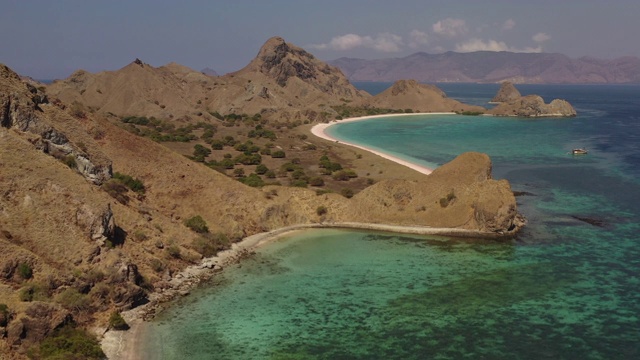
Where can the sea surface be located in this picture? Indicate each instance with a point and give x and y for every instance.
(567, 287)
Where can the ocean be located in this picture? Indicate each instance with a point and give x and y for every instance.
(567, 287)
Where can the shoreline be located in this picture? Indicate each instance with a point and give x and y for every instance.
(319, 130)
(124, 345)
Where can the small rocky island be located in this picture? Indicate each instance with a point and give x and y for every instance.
(512, 103)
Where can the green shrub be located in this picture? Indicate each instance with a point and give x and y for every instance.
(278, 154)
(25, 271)
(197, 224)
(253, 180)
(68, 343)
(116, 322)
(261, 169)
(200, 153)
(133, 184)
(210, 245)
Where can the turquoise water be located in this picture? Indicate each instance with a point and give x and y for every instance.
(568, 287)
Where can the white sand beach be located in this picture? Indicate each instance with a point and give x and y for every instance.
(319, 131)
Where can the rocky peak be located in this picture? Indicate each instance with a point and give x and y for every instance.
(281, 61)
(506, 93)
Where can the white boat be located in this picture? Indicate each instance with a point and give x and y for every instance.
(579, 152)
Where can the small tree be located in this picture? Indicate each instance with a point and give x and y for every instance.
(197, 224)
(117, 322)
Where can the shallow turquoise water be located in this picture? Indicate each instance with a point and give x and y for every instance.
(568, 287)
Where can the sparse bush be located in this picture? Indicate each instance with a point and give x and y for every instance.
(116, 190)
(4, 315)
(200, 153)
(348, 193)
(174, 251)
(321, 210)
(32, 292)
(445, 201)
(72, 299)
(140, 235)
(197, 224)
(70, 161)
(68, 343)
(157, 265)
(209, 245)
(25, 271)
(116, 322)
(135, 185)
(316, 181)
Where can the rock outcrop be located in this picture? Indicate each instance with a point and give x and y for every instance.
(409, 94)
(534, 106)
(506, 93)
(22, 107)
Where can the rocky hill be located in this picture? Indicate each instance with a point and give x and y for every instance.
(283, 81)
(511, 103)
(93, 217)
(409, 94)
(493, 67)
(507, 92)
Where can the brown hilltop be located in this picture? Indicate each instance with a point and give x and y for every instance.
(409, 94)
(171, 91)
(286, 80)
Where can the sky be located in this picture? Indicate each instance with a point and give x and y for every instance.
(49, 39)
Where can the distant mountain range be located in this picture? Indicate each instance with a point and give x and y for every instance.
(493, 67)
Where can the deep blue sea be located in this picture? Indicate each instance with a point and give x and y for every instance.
(567, 287)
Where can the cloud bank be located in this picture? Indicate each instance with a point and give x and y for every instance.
(448, 33)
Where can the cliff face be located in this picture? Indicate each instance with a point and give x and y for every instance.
(409, 94)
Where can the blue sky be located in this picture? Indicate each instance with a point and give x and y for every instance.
(50, 39)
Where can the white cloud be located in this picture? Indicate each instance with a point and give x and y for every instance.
(450, 27)
(385, 42)
(417, 38)
(509, 24)
(476, 44)
(540, 37)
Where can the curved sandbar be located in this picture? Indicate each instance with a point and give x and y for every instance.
(319, 131)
